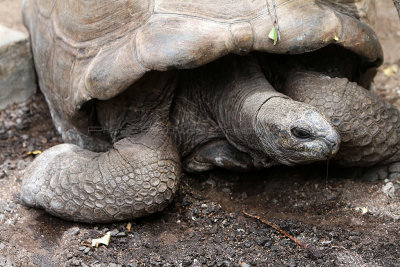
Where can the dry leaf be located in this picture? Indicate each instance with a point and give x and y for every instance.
(129, 226)
(105, 240)
(33, 153)
(390, 71)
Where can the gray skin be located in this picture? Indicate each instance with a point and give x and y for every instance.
(109, 64)
(216, 117)
(368, 125)
(238, 106)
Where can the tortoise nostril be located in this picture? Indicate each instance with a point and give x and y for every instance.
(333, 144)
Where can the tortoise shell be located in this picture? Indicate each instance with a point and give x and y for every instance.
(95, 49)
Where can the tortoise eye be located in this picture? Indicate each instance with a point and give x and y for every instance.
(301, 133)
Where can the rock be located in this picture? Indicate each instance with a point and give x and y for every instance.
(394, 167)
(114, 232)
(8, 165)
(22, 164)
(120, 234)
(196, 263)
(226, 190)
(389, 189)
(76, 232)
(3, 205)
(17, 76)
(392, 177)
(75, 262)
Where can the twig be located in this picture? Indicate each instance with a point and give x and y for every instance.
(301, 244)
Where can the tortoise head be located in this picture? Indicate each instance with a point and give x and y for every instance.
(296, 133)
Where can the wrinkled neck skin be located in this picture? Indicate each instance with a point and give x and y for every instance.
(243, 94)
(230, 93)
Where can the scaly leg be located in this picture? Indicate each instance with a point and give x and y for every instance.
(368, 125)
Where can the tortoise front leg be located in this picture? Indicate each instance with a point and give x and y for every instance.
(138, 176)
(368, 125)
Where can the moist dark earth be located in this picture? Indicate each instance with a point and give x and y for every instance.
(343, 219)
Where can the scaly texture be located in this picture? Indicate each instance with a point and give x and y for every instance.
(95, 49)
(368, 125)
(239, 105)
(133, 179)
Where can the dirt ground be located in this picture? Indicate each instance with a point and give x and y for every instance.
(342, 219)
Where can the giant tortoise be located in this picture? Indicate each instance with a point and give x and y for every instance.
(145, 88)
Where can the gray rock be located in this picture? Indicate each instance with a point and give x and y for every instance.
(389, 189)
(114, 232)
(22, 164)
(17, 76)
(3, 205)
(76, 232)
(120, 234)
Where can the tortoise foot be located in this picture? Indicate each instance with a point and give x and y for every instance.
(129, 181)
(390, 171)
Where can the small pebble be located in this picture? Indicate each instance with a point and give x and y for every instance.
(226, 190)
(120, 234)
(75, 262)
(22, 164)
(211, 182)
(114, 232)
(187, 262)
(76, 232)
(248, 244)
(389, 189)
(262, 241)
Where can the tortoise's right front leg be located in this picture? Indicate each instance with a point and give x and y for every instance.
(137, 177)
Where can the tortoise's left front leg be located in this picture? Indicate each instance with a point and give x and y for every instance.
(368, 125)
